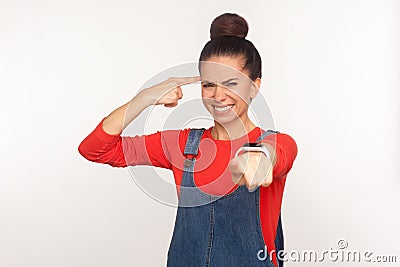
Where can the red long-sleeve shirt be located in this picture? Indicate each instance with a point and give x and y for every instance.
(165, 149)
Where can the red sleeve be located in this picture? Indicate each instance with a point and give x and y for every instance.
(286, 152)
(122, 151)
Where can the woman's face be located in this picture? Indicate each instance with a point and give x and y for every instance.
(226, 88)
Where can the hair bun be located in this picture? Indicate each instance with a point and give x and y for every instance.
(229, 24)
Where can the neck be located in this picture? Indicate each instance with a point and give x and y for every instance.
(232, 130)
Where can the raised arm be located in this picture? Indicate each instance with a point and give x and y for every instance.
(105, 145)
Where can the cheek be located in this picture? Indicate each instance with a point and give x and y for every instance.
(206, 95)
(241, 95)
(206, 92)
(205, 100)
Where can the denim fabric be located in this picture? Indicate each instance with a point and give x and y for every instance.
(216, 231)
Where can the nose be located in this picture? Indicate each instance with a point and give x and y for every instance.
(219, 93)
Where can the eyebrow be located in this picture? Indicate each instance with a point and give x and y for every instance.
(231, 79)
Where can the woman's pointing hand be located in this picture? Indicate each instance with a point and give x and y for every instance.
(251, 169)
(168, 92)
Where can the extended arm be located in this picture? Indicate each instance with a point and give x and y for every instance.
(254, 168)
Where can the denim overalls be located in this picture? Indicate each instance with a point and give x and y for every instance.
(217, 231)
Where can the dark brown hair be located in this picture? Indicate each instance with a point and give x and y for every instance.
(228, 38)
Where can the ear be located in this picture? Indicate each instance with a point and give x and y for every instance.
(255, 87)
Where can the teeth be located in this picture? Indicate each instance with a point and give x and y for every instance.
(222, 109)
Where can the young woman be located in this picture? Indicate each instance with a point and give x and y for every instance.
(229, 205)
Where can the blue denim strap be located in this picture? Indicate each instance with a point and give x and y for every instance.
(193, 141)
(264, 134)
(190, 195)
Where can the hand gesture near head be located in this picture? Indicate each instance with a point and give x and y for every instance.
(168, 92)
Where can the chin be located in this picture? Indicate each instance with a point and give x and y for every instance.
(224, 121)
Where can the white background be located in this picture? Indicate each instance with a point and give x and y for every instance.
(331, 77)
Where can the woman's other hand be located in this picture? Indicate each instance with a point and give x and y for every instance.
(168, 92)
(251, 169)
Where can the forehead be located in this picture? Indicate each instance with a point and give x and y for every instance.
(219, 69)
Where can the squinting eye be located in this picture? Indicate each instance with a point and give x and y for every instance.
(232, 84)
(208, 85)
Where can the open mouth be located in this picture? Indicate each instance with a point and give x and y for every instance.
(223, 108)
